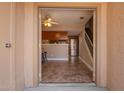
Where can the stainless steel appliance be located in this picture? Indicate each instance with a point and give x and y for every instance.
(73, 47)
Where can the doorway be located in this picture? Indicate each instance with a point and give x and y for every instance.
(73, 49)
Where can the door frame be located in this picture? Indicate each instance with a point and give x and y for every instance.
(12, 49)
(94, 40)
(101, 53)
(72, 37)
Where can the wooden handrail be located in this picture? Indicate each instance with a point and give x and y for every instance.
(90, 45)
(89, 39)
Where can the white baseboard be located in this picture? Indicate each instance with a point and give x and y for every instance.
(57, 59)
(91, 68)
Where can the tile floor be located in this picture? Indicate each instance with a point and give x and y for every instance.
(72, 71)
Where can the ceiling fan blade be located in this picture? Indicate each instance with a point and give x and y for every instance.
(48, 22)
(52, 22)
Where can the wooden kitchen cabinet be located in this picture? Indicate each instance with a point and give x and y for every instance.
(54, 35)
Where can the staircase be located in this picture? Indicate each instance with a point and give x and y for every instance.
(89, 44)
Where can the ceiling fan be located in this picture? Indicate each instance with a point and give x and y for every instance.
(48, 22)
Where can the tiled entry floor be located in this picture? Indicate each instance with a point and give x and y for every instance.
(73, 71)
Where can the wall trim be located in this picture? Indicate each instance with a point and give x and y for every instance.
(28, 45)
(82, 60)
(12, 50)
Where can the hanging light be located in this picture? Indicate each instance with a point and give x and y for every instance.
(48, 22)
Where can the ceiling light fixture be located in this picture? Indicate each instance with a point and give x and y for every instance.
(48, 22)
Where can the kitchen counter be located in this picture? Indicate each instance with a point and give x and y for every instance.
(56, 51)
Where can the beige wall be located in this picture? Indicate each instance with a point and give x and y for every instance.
(19, 48)
(115, 46)
(31, 45)
(83, 50)
(5, 9)
(28, 45)
(12, 28)
(56, 51)
(101, 45)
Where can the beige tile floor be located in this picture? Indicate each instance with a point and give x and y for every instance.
(72, 71)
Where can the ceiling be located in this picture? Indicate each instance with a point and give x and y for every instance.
(68, 19)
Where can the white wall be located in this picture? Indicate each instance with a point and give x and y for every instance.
(56, 51)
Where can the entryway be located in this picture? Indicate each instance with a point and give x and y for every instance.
(31, 45)
(63, 47)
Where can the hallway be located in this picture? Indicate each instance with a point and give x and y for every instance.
(72, 71)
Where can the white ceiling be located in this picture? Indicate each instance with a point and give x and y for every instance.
(68, 19)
